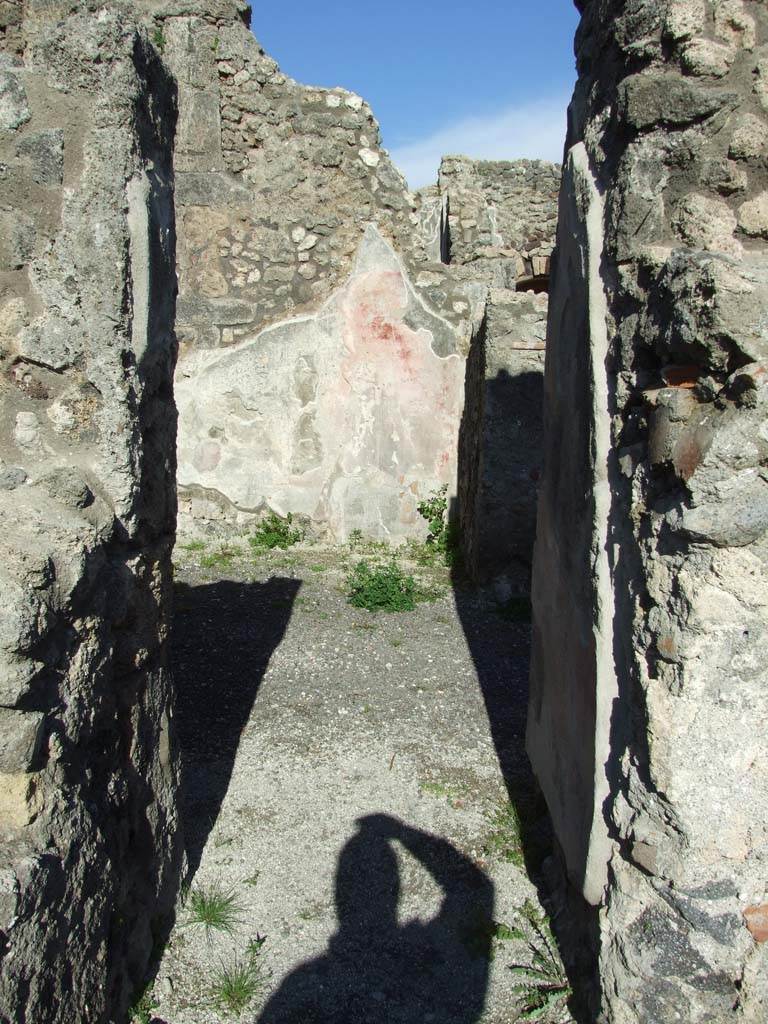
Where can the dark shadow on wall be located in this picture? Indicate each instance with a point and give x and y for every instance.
(499, 461)
(379, 971)
(223, 638)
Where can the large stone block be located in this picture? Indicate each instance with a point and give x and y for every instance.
(21, 733)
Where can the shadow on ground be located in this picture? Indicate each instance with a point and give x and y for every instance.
(378, 971)
(501, 657)
(223, 638)
(498, 638)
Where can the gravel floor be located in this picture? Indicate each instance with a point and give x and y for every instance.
(342, 777)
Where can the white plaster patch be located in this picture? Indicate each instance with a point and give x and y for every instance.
(369, 157)
(347, 416)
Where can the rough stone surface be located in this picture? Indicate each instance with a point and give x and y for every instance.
(500, 216)
(494, 223)
(501, 443)
(648, 675)
(89, 850)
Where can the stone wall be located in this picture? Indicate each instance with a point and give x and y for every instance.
(307, 313)
(648, 679)
(500, 453)
(494, 223)
(500, 216)
(89, 846)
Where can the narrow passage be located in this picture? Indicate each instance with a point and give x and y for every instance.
(341, 781)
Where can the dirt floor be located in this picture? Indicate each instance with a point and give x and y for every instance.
(355, 792)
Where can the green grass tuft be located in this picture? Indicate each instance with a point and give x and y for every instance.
(215, 908)
(236, 985)
(141, 1011)
(193, 545)
(505, 838)
(221, 558)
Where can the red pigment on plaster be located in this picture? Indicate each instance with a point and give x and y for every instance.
(410, 395)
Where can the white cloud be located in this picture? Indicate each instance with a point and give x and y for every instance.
(534, 130)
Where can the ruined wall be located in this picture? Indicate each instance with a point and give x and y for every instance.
(500, 216)
(89, 846)
(648, 684)
(494, 222)
(501, 444)
(307, 346)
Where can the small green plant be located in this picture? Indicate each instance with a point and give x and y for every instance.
(141, 1011)
(275, 532)
(381, 588)
(215, 908)
(442, 790)
(443, 537)
(318, 568)
(433, 509)
(158, 38)
(253, 879)
(355, 538)
(236, 985)
(254, 947)
(543, 989)
(505, 839)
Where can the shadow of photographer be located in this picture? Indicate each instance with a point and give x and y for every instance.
(378, 970)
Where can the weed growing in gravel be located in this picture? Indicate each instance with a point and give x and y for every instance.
(543, 990)
(215, 908)
(444, 791)
(141, 1011)
(221, 558)
(193, 545)
(381, 588)
(505, 839)
(237, 984)
(275, 532)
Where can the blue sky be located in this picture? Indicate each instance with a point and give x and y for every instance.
(489, 78)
